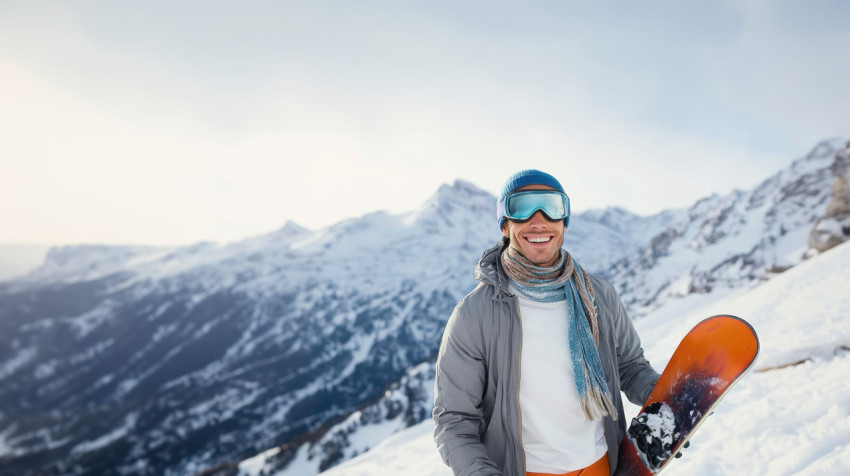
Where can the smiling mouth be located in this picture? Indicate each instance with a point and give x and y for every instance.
(538, 239)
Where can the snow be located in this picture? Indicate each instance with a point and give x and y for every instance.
(87, 322)
(801, 312)
(46, 370)
(109, 438)
(358, 432)
(10, 446)
(662, 424)
(830, 226)
(127, 386)
(364, 439)
(253, 466)
(88, 262)
(21, 358)
(5, 448)
(223, 406)
(409, 452)
(781, 419)
(654, 425)
(301, 464)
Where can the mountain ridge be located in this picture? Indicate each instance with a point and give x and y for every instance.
(728, 240)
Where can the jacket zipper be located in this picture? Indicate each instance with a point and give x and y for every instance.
(518, 382)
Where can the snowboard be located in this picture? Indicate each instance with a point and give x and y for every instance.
(711, 358)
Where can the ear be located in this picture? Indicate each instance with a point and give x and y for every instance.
(505, 230)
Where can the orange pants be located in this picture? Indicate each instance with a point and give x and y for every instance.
(599, 468)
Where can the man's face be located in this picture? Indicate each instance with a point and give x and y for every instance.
(538, 239)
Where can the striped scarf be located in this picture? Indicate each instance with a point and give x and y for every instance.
(558, 283)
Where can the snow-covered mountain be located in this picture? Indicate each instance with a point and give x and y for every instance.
(142, 360)
(732, 240)
(790, 415)
(599, 238)
(147, 360)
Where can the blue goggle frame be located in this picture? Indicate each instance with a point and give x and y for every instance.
(520, 206)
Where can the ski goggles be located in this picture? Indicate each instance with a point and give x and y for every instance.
(520, 206)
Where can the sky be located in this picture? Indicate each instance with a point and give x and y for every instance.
(167, 123)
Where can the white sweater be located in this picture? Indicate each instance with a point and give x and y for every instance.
(556, 436)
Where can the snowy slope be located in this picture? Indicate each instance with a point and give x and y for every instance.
(791, 415)
(403, 405)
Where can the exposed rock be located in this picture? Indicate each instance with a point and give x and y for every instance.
(834, 227)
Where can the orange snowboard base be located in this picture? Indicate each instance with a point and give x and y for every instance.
(711, 358)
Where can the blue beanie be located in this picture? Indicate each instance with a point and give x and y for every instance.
(522, 179)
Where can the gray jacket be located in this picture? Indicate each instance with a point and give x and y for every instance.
(476, 403)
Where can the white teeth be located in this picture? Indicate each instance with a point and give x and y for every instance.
(542, 239)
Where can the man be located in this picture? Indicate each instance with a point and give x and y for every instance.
(533, 360)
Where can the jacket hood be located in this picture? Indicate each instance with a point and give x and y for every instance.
(489, 269)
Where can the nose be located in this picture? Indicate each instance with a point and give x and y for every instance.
(538, 220)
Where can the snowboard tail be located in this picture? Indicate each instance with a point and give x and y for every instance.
(711, 359)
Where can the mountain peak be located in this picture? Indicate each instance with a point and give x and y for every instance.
(611, 214)
(290, 228)
(826, 149)
(460, 188)
(462, 191)
(87, 262)
(452, 204)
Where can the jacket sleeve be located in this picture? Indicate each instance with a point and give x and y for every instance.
(637, 377)
(458, 393)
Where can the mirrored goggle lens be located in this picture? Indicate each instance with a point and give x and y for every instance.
(521, 205)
